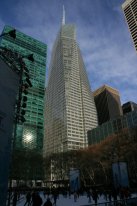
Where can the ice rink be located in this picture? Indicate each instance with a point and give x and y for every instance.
(66, 201)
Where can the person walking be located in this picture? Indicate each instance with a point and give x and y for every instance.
(28, 199)
(15, 198)
(95, 196)
(48, 202)
(37, 200)
(89, 196)
(55, 196)
(44, 193)
(33, 197)
(75, 196)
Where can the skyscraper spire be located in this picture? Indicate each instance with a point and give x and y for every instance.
(63, 17)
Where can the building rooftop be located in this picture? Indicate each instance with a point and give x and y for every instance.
(126, 3)
(103, 88)
(129, 102)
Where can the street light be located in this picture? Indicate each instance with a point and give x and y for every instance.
(23, 86)
(30, 57)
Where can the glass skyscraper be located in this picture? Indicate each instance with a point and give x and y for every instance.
(112, 127)
(30, 134)
(130, 11)
(70, 108)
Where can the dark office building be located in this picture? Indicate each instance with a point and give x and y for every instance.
(107, 100)
(129, 107)
(9, 81)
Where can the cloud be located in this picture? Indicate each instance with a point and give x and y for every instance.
(32, 19)
(1, 24)
(102, 34)
(109, 54)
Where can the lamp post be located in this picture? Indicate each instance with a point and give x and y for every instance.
(11, 33)
(23, 86)
(29, 57)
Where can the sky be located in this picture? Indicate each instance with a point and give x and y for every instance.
(102, 34)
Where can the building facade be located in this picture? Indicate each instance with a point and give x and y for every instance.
(70, 107)
(9, 82)
(129, 107)
(107, 100)
(30, 134)
(129, 8)
(111, 127)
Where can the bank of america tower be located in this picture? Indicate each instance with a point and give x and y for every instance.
(70, 108)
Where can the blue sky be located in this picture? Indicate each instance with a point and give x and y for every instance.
(102, 34)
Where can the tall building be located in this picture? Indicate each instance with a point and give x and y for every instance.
(130, 11)
(129, 107)
(9, 82)
(30, 134)
(111, 127)
(70, 108)
(108, 103)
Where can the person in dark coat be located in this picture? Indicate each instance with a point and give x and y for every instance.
(55, 196)
(75, 196)
(28, 199)
(95, 196)
(48, 202)
(37, 200)
(15, 198)
(89, 196)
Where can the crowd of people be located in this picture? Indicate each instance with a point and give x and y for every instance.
(114, 195)
(33, 198)
(50, 197)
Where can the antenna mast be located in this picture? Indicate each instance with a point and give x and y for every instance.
(63, 17)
